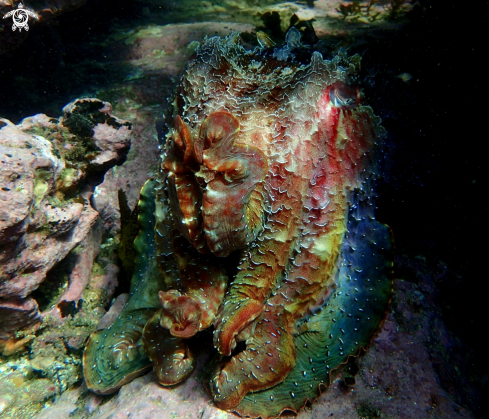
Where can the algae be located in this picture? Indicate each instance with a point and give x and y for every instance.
(366, 411)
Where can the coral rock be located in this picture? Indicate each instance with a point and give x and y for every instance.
(45, 164)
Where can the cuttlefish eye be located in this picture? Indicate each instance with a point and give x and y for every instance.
(344, 96)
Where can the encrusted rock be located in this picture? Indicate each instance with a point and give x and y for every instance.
(45, 190)
(17, 313)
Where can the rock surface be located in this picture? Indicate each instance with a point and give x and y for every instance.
(45, 209)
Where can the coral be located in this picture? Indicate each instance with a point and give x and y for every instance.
(375, 9)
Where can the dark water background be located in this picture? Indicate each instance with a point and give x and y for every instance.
(434, 198)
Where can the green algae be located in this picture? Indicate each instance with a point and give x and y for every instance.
(49, 361)
(41, 184)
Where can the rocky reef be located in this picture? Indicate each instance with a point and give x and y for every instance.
(48, 171)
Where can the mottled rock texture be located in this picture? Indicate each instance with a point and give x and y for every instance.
(46, 167)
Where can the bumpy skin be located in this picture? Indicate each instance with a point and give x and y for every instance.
(268, 152)
(271, 158)
(115, 356)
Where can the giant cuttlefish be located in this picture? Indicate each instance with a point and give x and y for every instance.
(272, 157)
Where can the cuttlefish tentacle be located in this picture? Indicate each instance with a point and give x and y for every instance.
(260, 267)
(194, 288)
(231, 175)
(192, 303)
(172, 360)
(268, 358)
(185, 194)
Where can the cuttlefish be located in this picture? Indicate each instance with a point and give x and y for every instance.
(271, 161)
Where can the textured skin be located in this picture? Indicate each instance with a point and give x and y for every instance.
(115, 356)
(271, 158)
(270, 153)
(344, 325)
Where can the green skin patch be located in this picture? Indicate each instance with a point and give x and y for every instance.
(115, 356)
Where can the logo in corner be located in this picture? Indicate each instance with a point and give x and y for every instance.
(20, 17)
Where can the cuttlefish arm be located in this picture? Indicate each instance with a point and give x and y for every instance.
(115, 356)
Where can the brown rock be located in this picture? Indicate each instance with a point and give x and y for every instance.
(17, 313)
(80, 273)
(45, 192)
(28, 269)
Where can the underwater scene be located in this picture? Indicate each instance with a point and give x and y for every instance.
(229, 208)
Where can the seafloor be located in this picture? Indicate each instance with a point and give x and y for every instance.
(421, 364)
